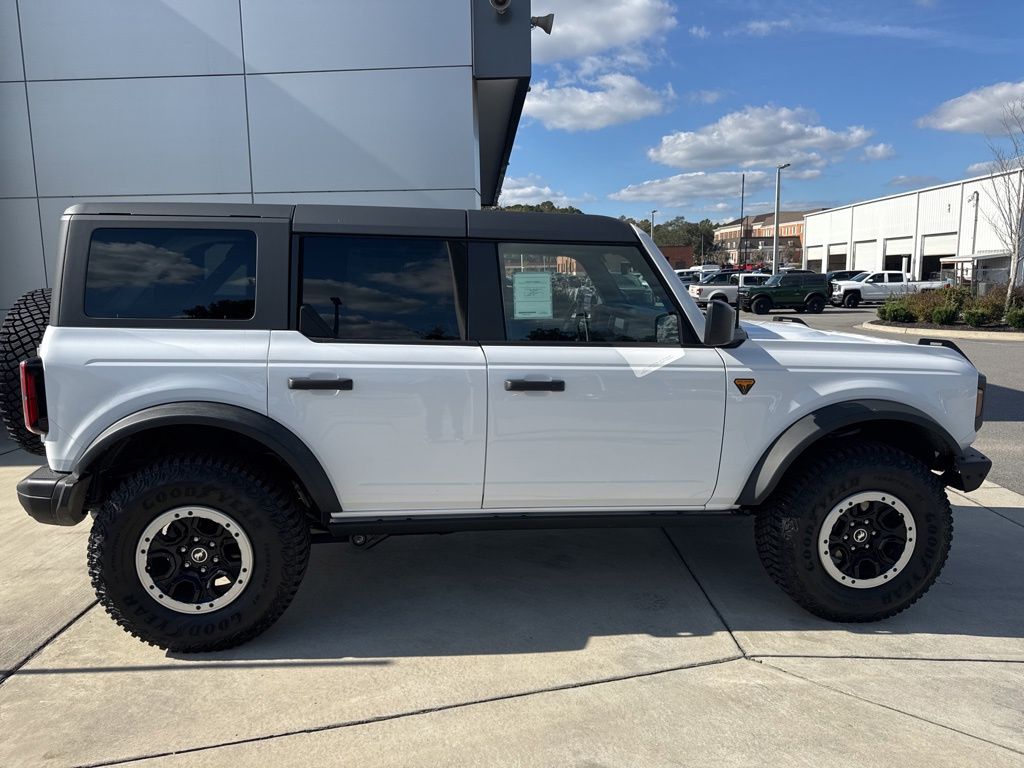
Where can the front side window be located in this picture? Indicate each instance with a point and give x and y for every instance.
(378, 289)
(584, 293)
(186, 274)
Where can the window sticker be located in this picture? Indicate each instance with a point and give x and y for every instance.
(532, 295)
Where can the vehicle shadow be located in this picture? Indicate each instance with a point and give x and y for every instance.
(1003, 403)
(550, 591)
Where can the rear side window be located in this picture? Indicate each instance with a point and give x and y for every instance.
(379, 289)
(186, 274)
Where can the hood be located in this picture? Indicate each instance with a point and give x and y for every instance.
(772, 330)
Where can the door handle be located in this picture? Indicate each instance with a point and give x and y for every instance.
(320, 384)
(529, 385)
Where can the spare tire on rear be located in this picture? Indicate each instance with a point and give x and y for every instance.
(20, 334)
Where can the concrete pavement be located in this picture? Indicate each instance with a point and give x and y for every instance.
(637, 647)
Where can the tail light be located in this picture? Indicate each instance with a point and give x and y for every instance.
(33, 396)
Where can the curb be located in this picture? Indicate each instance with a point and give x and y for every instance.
(870, 325)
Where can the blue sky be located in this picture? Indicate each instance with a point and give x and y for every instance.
(641, 104)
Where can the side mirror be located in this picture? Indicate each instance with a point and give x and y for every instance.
(719, 324)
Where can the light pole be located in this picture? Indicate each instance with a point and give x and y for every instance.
(775, 229)
(652, 223)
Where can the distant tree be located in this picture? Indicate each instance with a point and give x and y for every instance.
(1007, 175)
(546, 207)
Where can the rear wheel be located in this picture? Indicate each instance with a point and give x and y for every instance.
(20, 335)
(851, 300)
(197, 553)
(762, 305)
(815, 305)
(858, 534)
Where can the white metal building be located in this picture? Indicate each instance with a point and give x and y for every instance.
(952, 227)
(401, 102)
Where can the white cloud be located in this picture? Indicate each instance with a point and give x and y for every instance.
(585, 27)
(701, 32)
(613, 99)
(705, 97)
(687, 187)
(763, 28)
(530, 189)
(881, 151)
(759, 137)
(977, 111)
(913, 182)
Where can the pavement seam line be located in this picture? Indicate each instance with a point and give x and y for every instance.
(415, 712)
(718, 613)
(759, 656)
(888, 707)
(7, 674)
(995, 512)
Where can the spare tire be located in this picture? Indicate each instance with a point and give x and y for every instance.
(20, 335)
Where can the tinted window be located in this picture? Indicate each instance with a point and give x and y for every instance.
(895, 277)
(191, 274)
(584, 293)
(375, 288)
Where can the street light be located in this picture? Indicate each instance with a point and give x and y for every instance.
(775, 229)
(652, 223)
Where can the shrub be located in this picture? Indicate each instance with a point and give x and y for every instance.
(896, 311)
(1015, 317)
(924, 303)
(976, 316)
(992, 304)
(945, 314)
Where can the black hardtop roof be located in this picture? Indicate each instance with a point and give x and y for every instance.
(380, 220)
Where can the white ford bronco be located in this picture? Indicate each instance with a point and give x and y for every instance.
(216, 383)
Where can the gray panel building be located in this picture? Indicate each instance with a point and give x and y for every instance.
(381, 103)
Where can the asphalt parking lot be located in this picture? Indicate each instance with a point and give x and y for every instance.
(584, 648)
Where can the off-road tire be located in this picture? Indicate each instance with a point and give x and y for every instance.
(762, 305)
(851, 300)
(815, 305)
(20, 335)
(787, 529)
(266, 511)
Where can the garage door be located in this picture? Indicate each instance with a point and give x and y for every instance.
(865, 255)
(836, 257)
(814, 265)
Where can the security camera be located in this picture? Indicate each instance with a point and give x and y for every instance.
(500, 5)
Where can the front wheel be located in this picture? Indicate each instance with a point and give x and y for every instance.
(857, 534)
(761, 305)
(851, 300)
(197, 553)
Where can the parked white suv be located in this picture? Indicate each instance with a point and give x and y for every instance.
(216, 382)
(875, 287)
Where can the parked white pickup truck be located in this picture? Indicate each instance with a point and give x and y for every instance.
(724, 286)
(876, 287)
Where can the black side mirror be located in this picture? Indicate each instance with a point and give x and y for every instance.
(719, 324)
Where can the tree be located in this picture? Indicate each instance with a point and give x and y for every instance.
(546, 207)
(1006, 183)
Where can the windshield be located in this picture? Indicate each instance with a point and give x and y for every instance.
(773, 280)
(859, 278)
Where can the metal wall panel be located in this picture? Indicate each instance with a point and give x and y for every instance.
(412, 198)
(129, 38)
(939, 210)
(123, 137)
(22, 265)
(899, 246)
(16, 175)
(10, 44)
(305, 35)
(939, 245)
(413, 129)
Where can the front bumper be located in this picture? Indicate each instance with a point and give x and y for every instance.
(53, 498)
(969, 471)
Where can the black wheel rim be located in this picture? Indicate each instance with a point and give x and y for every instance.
(867, 539)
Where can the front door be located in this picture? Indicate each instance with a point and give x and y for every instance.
(593, 400)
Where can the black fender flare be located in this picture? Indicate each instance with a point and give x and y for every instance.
(274, 436)
(812, 294)
(791, 444)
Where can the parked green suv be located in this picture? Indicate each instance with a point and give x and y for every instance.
(802, 291)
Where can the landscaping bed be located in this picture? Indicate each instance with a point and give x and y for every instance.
(952, 308)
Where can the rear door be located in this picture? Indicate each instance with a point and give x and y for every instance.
(378, 378)
(598, 398)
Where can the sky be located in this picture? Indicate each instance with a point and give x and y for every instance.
(653, 104)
